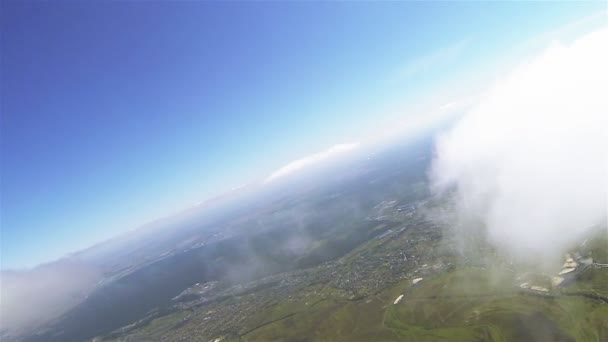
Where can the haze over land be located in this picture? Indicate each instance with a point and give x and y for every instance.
(34, 296)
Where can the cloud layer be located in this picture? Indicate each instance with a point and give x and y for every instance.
(530, 160)
(310, 160)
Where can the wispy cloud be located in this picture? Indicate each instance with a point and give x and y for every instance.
(427, 62)
(35, 296)
(299, 164)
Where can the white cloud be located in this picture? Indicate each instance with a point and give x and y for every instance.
(530, 159)
(311, 160)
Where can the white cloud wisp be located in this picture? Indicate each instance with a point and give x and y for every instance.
(302, 163)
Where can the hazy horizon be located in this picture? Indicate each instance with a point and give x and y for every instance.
(92, 145)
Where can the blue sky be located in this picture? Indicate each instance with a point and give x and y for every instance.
(115, 113)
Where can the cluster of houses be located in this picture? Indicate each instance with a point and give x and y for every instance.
(573, 265)
(569, 266)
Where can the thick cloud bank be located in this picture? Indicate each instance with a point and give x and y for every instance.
(530, 160)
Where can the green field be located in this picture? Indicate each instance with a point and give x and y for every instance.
(462, 305)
